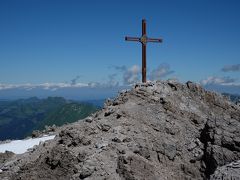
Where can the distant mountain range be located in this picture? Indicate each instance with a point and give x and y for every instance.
(80, 91)
(233, 97)
(76, 93)
(18, 118)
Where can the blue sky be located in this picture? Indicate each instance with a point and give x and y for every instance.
(55, 41)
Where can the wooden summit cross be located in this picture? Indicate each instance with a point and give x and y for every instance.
(144, 40)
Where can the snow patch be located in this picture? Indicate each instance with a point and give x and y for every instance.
(22, 146)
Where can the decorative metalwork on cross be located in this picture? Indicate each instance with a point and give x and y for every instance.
(144, 40)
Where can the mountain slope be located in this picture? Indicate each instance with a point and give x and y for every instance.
(162, 130)
(20, 117)
(69, 113)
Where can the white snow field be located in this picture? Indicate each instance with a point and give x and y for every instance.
(21, 146)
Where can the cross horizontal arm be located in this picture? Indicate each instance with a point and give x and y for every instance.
(132, 39)
(154, 40)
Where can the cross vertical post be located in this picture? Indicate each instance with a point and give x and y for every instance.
(144, 39)
(144, 52)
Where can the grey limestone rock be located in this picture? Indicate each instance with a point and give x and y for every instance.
(156, 130)
(226, 172)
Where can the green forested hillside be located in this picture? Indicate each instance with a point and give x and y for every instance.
(70, 112)
(20, 117)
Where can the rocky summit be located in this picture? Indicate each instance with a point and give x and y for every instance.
(155, 131)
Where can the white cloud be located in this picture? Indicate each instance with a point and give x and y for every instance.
(112, 82)
(225, 81)
(131, 75)
(74, 80)
(222, 84)
(233, 68)
(46, 86)
(160, 72)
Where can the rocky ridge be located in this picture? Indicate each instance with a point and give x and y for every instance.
(161, 130)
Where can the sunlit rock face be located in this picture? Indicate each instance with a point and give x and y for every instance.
(160, 130)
